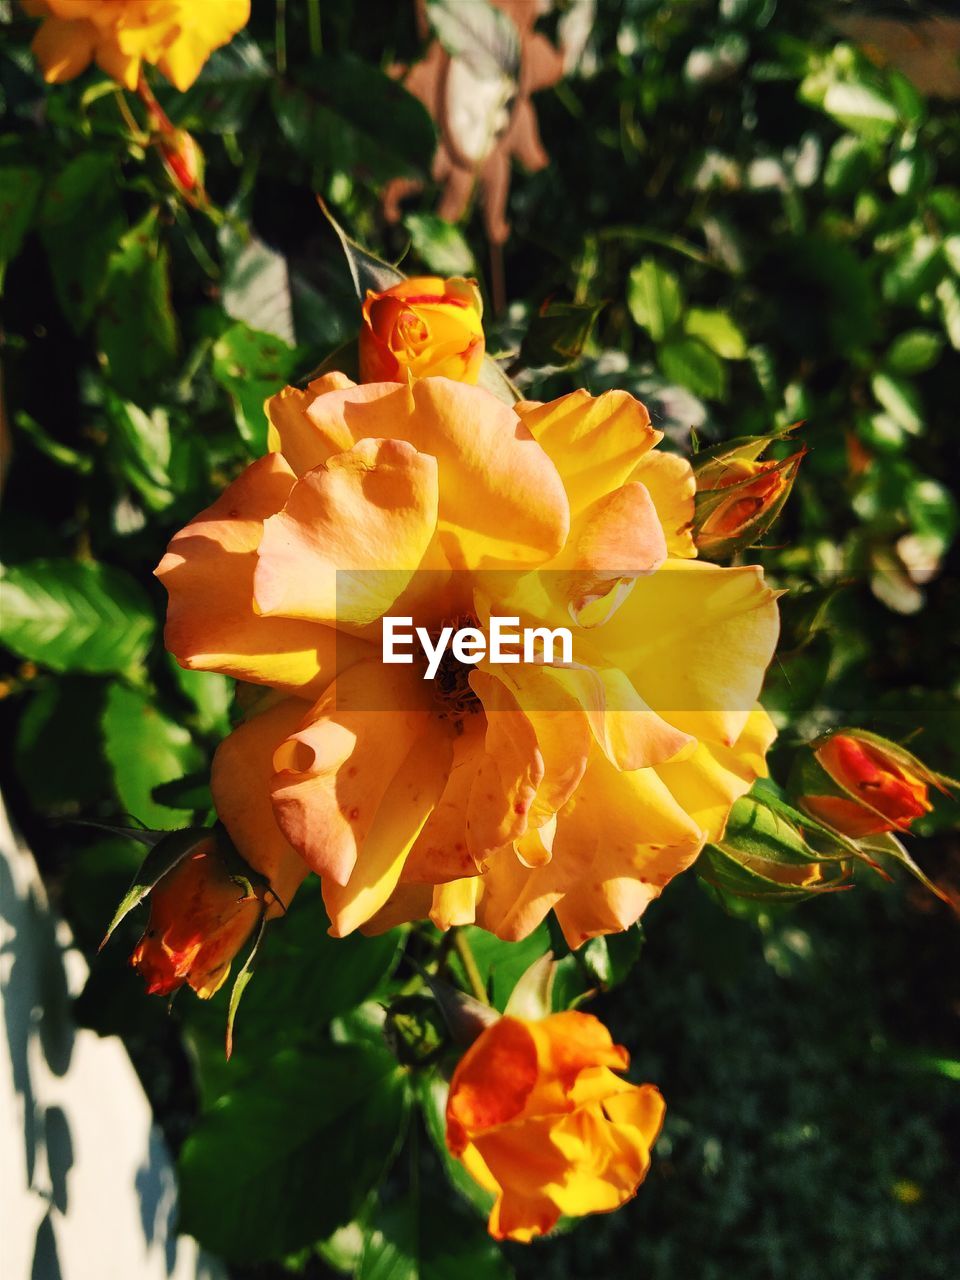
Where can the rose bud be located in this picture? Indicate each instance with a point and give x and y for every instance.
(868, 785)
(426, 327)
(200, 917)
(537, 1115)
(739, 495)
(183, 161)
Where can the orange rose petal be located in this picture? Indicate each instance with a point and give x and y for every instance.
(333, 773)
(404, 807)
(208, 572)
(502, 503)
(441, 852)
(620, 539)
(240, 782)
(508, 773)
(293, 432)
(494, 1078)
(350, 536)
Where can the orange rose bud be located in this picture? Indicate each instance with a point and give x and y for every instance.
(739, 499)
(426, 327)
(183, 161)
(537, 1115)
(200, 917)
(879, 790)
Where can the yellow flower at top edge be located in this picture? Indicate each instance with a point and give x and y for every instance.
(176, 36)
(537, 1115)
(494, 793)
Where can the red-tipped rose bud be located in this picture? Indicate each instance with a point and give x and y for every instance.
(200, 917)
(424, 327)
(738, 495)
(876, 787)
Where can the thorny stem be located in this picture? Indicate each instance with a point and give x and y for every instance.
(462, 948)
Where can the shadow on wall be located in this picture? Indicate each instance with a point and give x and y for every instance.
(86, 1184)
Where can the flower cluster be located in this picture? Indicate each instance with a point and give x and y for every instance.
(500, 792)
(487, 792)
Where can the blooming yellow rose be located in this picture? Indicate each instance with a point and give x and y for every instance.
(495, 792)
(537, 1116)
(424, 326)
(176, 36)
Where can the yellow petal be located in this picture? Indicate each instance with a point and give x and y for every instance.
(696, 640)
(595, 442)
(405, 806)
(670, 481)
(350, 537)
(713, 777)
(620, 539)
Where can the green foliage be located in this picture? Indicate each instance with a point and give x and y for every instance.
(73, 616)
(335, 1116)
(748, 224)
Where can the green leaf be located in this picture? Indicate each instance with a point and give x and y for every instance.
(304, 978)
(502, 964)
(211, 696)
(861, 109)
(341, 113)
(19, 193)
(191, 793)
(434, 1240)
(75, 617)
(687, 362)
(493, 379)
(256, 284)
(440, 245)
(136, 330)
(251, 366)
(288, 1156)
(57, 754)
(432, 1091)
(532, 997)
(366, 270)
(849, 167)
(558, 333)
(901, 400)
(140, 448)
(86, 194)
(916, 269)
(226, 91)
(654, 298)
(914, 351)
(948, 296)
(718, 331)
(145, 748)
(163, 857)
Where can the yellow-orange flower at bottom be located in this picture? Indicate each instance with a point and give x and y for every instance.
(200, 917)
(537, 1116)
